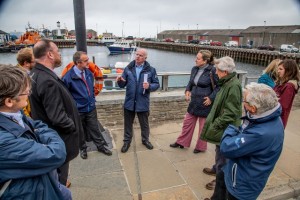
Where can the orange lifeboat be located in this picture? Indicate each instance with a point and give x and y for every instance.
(96, 72)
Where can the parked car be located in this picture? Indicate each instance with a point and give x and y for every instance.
(204, 42)
(245, 46)
(193, 42)
(266, 47)
(288, 48)
(168, 40)
(129, 38)
(216, 43)
(231, 44)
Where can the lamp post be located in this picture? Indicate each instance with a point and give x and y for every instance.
(178, 26)
(122, 29)
(197, 26)
(263, 40)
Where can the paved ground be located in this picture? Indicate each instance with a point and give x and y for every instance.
(165, 173)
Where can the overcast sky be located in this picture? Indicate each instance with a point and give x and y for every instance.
(145, 18)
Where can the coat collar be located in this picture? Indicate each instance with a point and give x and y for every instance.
(12, 127)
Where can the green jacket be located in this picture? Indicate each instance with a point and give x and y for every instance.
(226, 109)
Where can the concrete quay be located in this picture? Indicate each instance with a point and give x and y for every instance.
(165, 173)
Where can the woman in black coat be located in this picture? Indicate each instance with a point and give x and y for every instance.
(200, 92)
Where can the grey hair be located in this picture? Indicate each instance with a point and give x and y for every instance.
(225, 64)
(77, 55)
(262, 96)
(13, 81)
(144, 51)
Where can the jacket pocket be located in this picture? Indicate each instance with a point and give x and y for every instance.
(233, 174)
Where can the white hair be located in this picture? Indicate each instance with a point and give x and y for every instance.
(225, 64)
(262, 96)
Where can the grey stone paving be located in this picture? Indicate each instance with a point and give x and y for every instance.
(171, 174)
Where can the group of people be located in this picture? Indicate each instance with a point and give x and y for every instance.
(45, 120)
(216, 99)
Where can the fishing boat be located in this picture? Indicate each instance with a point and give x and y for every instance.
(122, 47)
(30, 37)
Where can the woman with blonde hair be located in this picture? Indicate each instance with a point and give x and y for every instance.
(269, 75)
(287, 86)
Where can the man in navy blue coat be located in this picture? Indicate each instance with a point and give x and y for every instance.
(140, 79)
(80, 82)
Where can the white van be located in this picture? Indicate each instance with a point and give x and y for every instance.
(231, 44)
(288, 48)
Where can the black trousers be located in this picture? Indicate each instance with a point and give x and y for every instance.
(128, 125)
(91, 129)
(220, 192)
(63, 173)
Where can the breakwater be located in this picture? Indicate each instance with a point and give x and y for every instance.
(250, 56)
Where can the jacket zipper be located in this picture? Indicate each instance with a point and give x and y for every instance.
(233, 175)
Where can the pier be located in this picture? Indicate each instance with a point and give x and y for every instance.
(250, 56)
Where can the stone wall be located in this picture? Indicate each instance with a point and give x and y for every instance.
(110, 112)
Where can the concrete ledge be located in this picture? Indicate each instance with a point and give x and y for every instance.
(286, 191)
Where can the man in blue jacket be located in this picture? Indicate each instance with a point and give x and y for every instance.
(30, 152)
(80, 82)
(140, 79)
(253, 149)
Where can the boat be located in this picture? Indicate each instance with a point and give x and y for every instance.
(122, 47)
(30, 37)
(107, 40)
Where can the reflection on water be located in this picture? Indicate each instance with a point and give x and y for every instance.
(163, 61)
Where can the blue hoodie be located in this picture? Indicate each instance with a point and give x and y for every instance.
(252, 151)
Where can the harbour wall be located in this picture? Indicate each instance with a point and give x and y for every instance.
(164, 106)
(250, 56)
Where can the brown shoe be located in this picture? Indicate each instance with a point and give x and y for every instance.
(68, 184)
(209, 171)
(211, 185)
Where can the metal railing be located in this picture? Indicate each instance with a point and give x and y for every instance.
(111, 84)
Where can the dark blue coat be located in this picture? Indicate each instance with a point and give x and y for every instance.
(85, 101)
(202, 89)
(28, 156)
(252, 153)
(136, 99)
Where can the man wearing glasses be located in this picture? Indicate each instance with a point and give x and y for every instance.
(30, 151)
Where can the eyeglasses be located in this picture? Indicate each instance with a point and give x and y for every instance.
(28, 93)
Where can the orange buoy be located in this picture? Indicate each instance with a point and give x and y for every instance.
(98, 86)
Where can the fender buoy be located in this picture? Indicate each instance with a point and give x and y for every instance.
(96, 72)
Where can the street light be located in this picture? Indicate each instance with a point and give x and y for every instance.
(197, 26)
(178, 26)
(264, 33)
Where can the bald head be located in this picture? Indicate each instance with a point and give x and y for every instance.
(46, 52)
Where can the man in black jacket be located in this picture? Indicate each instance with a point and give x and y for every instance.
(52, 103)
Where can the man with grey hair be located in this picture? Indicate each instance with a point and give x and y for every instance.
(226, 110)
(140, 79)
(253, 149)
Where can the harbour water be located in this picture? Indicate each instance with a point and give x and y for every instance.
(163, 61)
